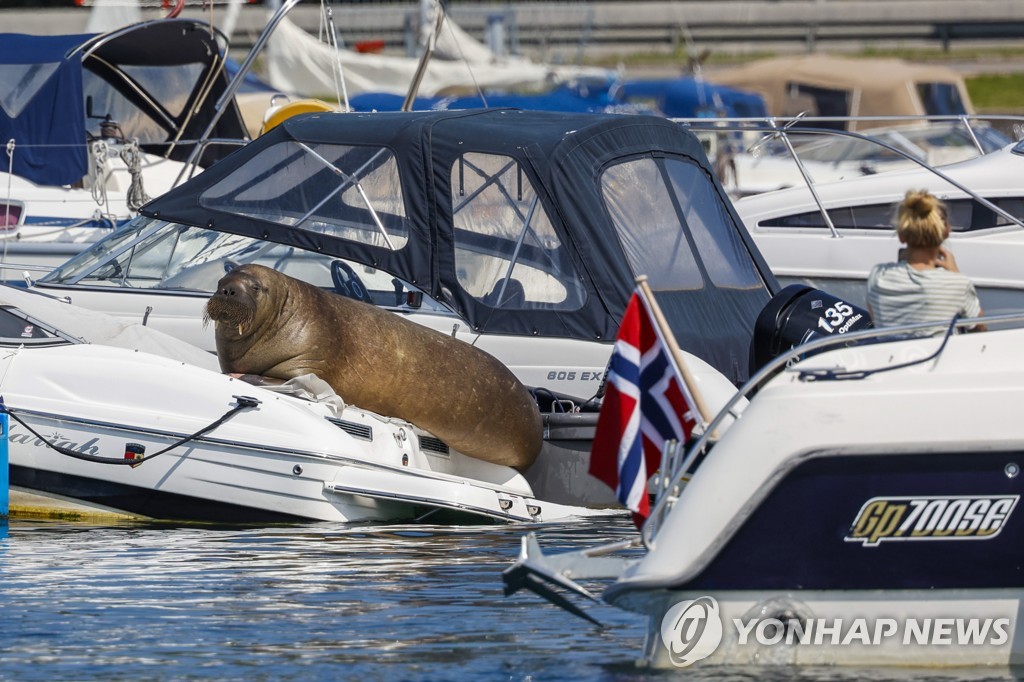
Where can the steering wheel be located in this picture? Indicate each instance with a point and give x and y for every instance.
(347, 282)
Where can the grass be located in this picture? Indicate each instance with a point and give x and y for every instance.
(999, 92)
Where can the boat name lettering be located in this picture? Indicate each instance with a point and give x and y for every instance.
(571, 375)
(89, 447)
(957, 517)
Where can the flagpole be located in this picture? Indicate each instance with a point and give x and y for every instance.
(677, 354)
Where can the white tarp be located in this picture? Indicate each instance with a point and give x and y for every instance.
(300, 64)
(99, 328)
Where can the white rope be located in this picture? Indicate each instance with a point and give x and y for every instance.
(99, 166)
(136, 192)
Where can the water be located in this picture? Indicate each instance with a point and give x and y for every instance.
(317, 601)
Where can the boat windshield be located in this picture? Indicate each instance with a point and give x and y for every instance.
(934, 143)
(148, 253)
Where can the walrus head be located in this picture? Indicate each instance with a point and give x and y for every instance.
(235, 302)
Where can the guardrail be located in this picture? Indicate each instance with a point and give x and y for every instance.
(552, 29)
(569, 30)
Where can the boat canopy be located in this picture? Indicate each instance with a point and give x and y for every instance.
(523, 222)
(36, 72)
(826, 85)
(158, 81)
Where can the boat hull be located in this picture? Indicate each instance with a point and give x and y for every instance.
(874, 521)
(216, 449)
(203, 481)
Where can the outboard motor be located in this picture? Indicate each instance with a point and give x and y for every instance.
(798, 314)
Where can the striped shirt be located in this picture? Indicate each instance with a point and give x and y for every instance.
(899, 294)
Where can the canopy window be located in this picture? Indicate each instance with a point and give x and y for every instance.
(165, 90)
(673, 226)
(507, 254)
(941, 99)
(19, 84)
(344, 191)
(819, 101)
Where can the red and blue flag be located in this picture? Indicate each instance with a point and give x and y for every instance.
(646, 403)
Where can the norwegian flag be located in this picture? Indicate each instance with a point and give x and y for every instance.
(646, 403)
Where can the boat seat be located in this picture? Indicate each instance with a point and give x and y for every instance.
(514, 295)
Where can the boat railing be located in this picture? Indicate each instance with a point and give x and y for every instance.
(679, 462)
(785, 129)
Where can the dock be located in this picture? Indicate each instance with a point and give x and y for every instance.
(30, 505)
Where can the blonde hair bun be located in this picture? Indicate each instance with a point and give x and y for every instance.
(921, 219)
(920, 203)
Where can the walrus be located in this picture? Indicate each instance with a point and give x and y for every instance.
(271, 325)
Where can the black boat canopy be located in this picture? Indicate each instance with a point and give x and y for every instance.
(523, 222)
(158, 81)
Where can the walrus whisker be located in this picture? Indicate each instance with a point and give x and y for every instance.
(228, 313)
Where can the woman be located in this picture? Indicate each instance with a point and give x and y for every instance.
(925, 284)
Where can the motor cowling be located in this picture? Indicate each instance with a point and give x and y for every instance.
(798, 314)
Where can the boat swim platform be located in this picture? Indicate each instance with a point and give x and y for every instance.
(36, 506)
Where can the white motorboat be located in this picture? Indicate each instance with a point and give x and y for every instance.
(860, 509)
(144, 424)
(986, 206)
(100, 123)
(518, 231)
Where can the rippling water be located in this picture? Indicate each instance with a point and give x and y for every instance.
(318, 601)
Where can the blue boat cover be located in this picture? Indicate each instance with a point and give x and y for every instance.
(689, 97)
(42, 107)
(685, 97)
(575, 98)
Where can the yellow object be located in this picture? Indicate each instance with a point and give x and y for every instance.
(29, 505)
(304, 106)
